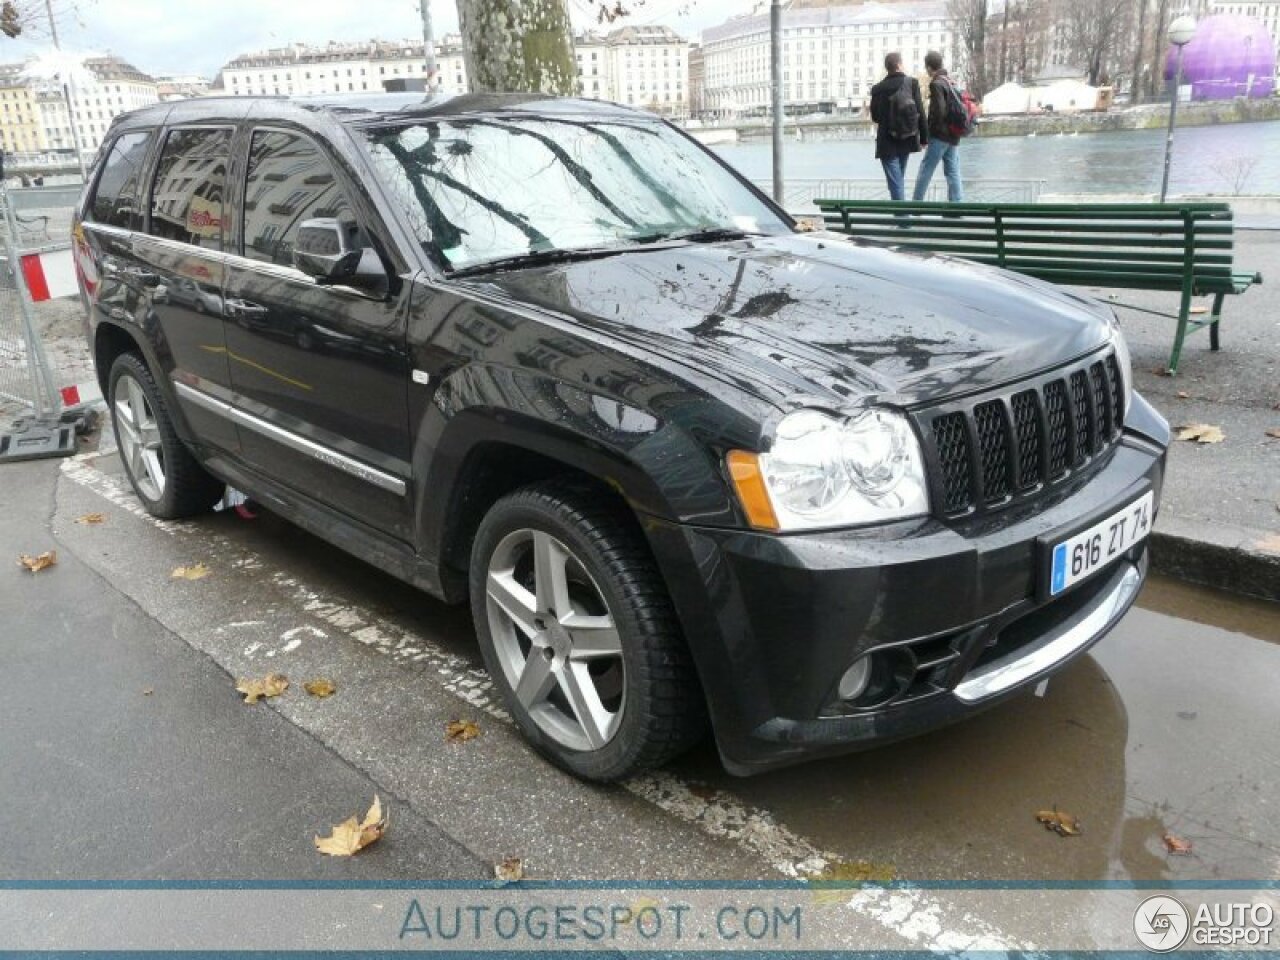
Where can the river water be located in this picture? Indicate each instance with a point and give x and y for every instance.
(1228, 159)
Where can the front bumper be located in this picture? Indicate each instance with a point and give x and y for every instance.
(957, 613)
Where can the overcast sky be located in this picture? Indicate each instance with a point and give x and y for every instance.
(199, 36)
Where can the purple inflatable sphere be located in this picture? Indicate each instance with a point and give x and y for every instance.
(1225, 53)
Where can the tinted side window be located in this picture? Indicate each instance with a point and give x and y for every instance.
(115, 197)
(289, 180)
(186, 195)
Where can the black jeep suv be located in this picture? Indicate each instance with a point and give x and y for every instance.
(686, 462)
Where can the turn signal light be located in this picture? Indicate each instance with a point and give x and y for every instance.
(748, 481)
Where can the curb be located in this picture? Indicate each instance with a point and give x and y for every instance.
(1216, 555)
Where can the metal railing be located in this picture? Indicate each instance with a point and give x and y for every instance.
(799, 195)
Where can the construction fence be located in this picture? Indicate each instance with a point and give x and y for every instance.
(42, 346)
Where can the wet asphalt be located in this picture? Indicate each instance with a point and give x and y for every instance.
(1167, 727)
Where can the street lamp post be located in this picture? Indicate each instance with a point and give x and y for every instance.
(775, 76)
(1180, 33)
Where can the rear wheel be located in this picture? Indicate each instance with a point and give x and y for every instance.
(164, 474)
(579, 634)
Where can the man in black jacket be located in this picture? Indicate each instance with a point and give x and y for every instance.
(943, 144)
(900, 122)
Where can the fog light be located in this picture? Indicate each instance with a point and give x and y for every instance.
(855, 679)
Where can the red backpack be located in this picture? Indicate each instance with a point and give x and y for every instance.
(962, 110)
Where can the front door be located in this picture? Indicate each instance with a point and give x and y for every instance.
(319, 371)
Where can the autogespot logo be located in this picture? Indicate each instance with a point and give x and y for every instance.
(1161, 923)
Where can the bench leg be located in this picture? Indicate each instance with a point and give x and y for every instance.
(1184, 314)
(1217, 315)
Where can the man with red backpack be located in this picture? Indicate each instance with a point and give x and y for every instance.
(952, 117)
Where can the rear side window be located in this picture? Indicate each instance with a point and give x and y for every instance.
(289, 180)
(190, 181)
(115, 199)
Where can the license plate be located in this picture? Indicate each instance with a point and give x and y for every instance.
(1090, 550)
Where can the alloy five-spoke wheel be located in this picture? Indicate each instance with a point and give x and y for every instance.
(579, 634)
(556, 640)
(139, 437)
(165, 476)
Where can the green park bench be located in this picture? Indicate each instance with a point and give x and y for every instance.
(1182, 247)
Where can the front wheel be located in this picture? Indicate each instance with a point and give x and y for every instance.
(579, 634)
(164, 474)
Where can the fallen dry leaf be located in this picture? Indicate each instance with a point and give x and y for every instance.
(147, 691)
(1162, 371)
(1176, 845)
(856, 871)
(352, 835)
(1269, 544)
(1060, 822)
(1274, 432)
(1198, 308)
(196, 571)
(460, 731)
(1183, 395)
(269, 686)
(42, 562)
(320, 687)
(1201, 433)
(92, 519)
(509, 870)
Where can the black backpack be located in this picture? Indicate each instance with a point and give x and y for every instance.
(904, 115)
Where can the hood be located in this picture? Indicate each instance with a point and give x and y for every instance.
(819, 318)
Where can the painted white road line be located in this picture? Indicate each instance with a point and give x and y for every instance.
(915, 915)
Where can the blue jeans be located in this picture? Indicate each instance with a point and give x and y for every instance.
(895, 173)
(949, 154)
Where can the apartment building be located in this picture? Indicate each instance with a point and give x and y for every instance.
(299, 69)
(20, 118)
(37, 110)
(832, 54)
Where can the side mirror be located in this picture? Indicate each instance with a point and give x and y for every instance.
(325, 248)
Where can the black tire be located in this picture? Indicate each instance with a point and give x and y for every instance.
(663, 712)
(188, 489)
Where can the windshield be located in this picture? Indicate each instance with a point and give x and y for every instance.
(483, 188)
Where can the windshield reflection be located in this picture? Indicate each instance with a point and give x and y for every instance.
(485, 189)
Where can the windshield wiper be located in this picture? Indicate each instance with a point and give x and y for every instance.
(698, 235)
(535, 258)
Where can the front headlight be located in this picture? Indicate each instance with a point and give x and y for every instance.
(826, 471)
(1123, 361)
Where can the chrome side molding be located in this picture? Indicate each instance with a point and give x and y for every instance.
(294, 441)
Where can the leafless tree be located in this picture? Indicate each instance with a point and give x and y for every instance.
(1095, 29)
(1236, 172)
(1139, 48)
(970, 18)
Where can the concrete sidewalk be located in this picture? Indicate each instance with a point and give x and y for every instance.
(1220, 520)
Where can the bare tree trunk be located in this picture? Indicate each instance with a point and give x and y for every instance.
(1139, 48)
(1156, 80)
(1004, 42)
(523, 46)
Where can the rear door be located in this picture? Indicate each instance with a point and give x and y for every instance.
(177, 265)
(320, 370)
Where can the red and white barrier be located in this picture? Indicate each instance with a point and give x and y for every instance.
(49, 275)
(80, 394)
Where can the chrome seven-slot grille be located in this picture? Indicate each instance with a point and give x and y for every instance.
(988, 452)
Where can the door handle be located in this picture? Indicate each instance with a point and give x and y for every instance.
(144, 277)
